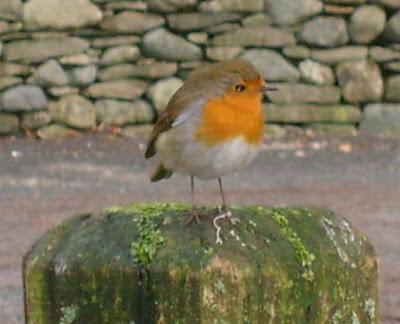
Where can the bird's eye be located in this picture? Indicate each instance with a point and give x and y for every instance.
(240, 87)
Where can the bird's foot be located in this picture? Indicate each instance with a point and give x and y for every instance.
(195, 216)
(223, 212)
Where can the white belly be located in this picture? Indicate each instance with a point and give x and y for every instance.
(181, 155)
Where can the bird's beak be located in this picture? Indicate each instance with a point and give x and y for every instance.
(268, 88)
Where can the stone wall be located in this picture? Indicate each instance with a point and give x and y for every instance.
(79, 65)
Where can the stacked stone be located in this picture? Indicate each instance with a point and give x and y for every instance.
(72, 66)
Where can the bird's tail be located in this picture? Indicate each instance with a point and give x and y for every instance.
(160, 172)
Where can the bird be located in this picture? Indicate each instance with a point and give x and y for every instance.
(212, 126)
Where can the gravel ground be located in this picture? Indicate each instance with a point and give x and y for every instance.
(42, 183)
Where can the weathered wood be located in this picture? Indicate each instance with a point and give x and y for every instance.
(141, 264)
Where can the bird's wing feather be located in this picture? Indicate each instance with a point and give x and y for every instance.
(185, 103)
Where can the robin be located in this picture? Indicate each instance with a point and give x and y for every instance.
(212, 126)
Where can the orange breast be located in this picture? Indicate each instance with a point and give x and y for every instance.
(234, 115)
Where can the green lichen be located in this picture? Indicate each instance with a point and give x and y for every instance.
(337, 317)
(151, 210)
(208, 251)
(369, 308)
(68, 314)
(150, 237)
(220, 286)
(354, 318)
(307, 258)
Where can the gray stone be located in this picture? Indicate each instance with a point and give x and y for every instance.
(274, 131)
(170, 5)
(287, 12)
(122, 5)
(148, 70)
(272, 65)
(137, 131)
(119, 113)
(114, 41)
(331, 129)
(222, 28)
(338, 55)
(14, 69)
(294, 131)
(346, 2)
(263, 36)
(11, 7)
(161, 91)
(392, 90)
(78, 59)
(392, 31)
(56, 132)
(361, 81)
(317, 73)
(223, 53)
(60, 14)
(23, 98)
(132, 22)
(50, 73)
(82, 76)
(366, 24)
(120, 89)
(9, 81)
(34, 120)
(258, 19)
(390, 3)
(119, 54)
(196, 20)
(185, 68)
(392, 66)
(93, 53)
(325, 31)
(304, 93)
(4, 27)
(73, 110)
(198, 38)
(306, 113)
(32, 51)
(164, 45)
(297, 52)
(9, 123)
(193, 65)
(381, 119)
(14, 28)
(229, 5)
(62, 91)
(339, 10)
(384, 54)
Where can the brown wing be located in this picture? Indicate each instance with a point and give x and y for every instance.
(181, 100)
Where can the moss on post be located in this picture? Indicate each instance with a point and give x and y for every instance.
(141, 264)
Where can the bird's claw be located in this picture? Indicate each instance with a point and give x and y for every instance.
(195, 216)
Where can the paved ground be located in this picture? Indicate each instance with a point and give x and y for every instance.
(42, 183)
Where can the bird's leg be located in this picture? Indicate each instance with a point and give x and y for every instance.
(195, 214)
(223, 212)
(224, 209)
